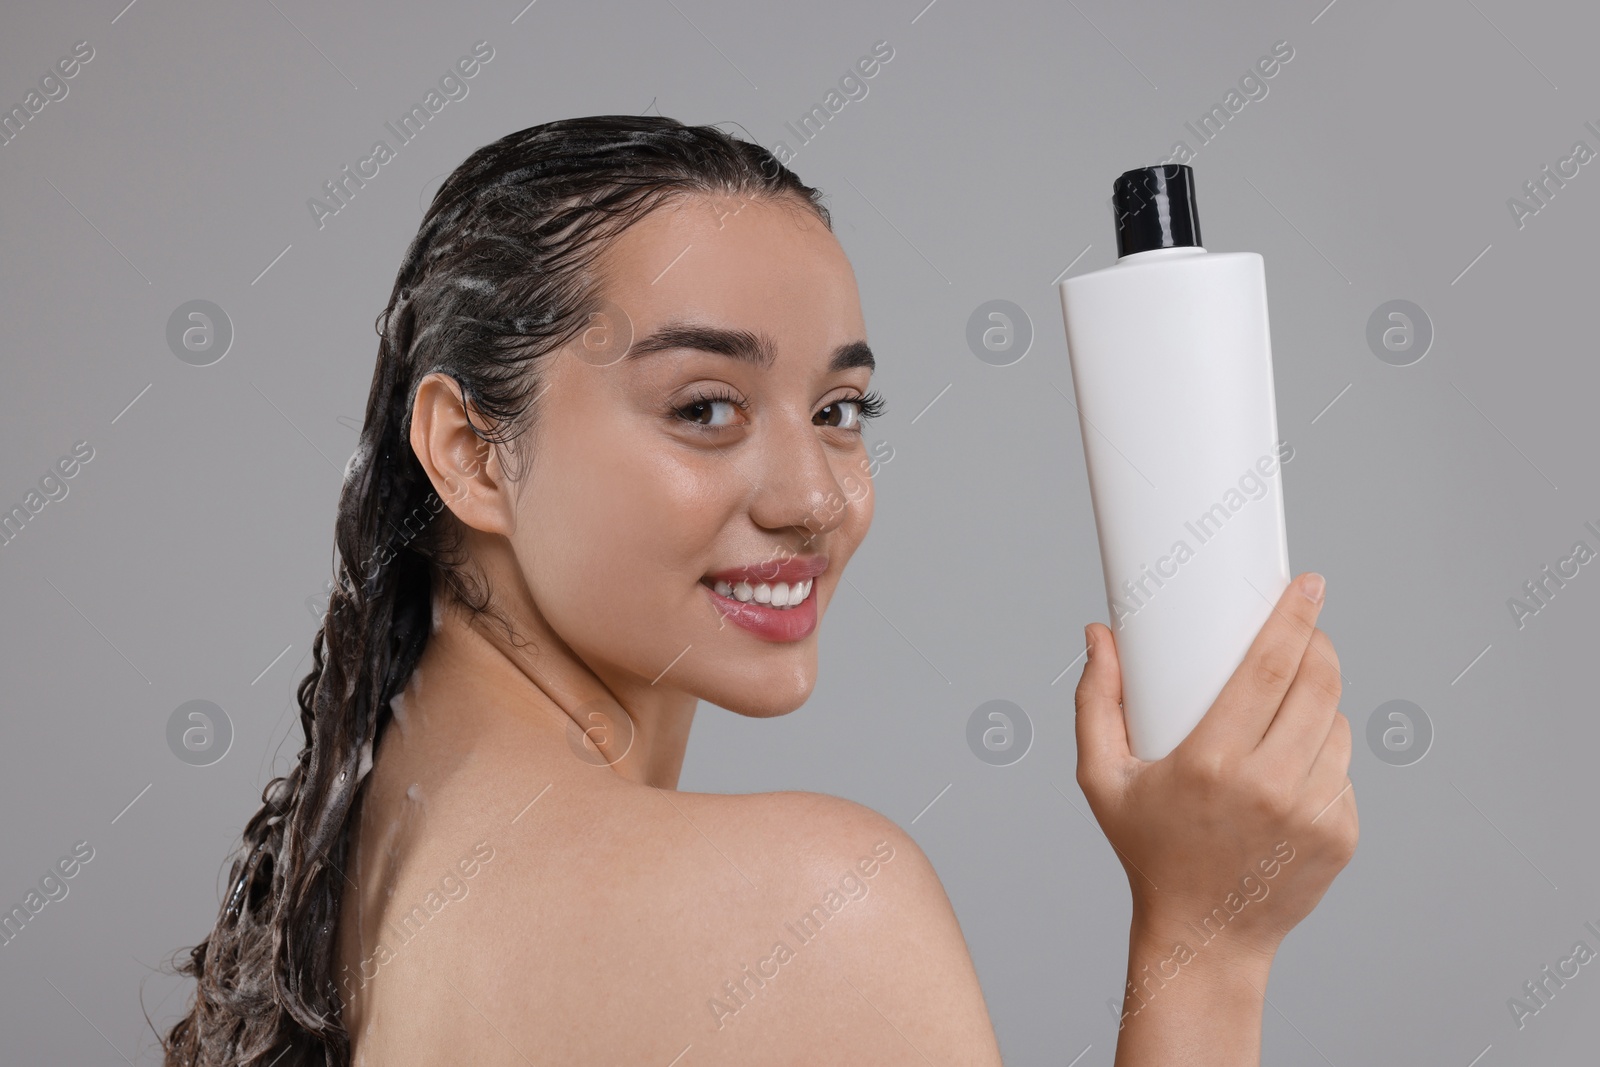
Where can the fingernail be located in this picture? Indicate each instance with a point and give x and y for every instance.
(1313, 585)
(1088, 643)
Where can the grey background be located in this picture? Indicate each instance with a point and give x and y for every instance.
(977, 167)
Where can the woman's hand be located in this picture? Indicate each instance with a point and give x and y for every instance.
(1233, 837)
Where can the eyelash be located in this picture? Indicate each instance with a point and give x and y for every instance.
(871, 405)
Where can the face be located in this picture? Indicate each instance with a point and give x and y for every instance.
(699, 458)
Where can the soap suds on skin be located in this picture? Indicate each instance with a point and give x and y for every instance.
(397, 708)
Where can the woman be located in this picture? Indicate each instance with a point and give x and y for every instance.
(612, 465)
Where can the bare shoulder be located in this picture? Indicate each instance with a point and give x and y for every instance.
(725, 923)
(811, 836)
(806, 825)
(815, 841)
(867, 908)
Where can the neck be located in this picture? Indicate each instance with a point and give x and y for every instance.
(475, 684)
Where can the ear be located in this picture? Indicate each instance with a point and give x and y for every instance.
(465, 469)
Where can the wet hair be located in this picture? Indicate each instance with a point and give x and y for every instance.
(503, 269)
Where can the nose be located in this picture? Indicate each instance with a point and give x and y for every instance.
(796, 487)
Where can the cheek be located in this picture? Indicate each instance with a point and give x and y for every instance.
(860, 501)
(616, 528)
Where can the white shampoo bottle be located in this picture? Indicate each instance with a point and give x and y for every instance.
(1172, 365)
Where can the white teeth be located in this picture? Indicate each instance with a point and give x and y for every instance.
(781, 595)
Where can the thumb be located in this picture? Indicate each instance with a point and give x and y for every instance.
(1101, 729)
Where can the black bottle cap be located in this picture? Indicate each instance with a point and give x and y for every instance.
(1155, 209)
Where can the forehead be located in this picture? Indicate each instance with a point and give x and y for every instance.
(758, 265)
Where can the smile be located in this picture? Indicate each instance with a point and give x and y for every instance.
(782, 595)
(771, 599)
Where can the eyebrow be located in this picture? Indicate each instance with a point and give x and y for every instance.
(753, 348)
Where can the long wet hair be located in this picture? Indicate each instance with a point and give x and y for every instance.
(501, 271)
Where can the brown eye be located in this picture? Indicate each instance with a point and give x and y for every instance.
(845, 414)
(851, 412)
(703, 411)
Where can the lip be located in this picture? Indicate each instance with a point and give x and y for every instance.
(768, 623)
(794, 569)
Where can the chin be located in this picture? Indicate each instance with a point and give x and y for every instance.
(763, 694)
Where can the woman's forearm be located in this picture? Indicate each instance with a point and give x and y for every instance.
(1191, 1003)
